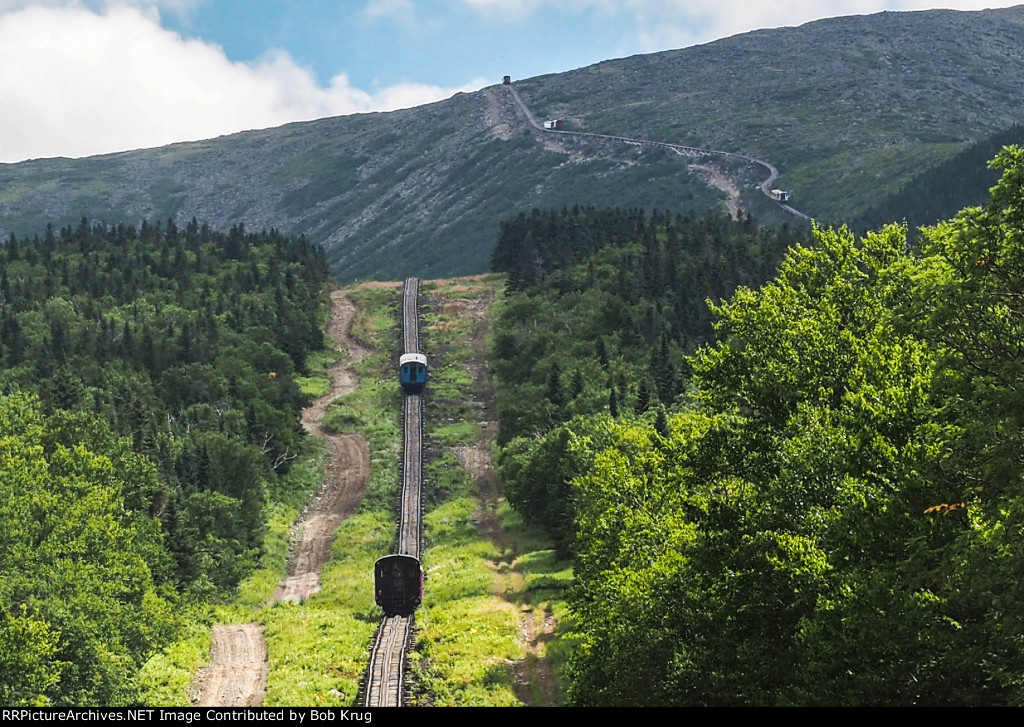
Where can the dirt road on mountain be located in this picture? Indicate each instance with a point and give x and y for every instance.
(237, 673)
(348, 466)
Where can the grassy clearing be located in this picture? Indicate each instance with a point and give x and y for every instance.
(485, 571)
(319, 649)
(318, 383)
(469, 635)
(538, 581)
(313, 386)
(165, 679)
(379, 318)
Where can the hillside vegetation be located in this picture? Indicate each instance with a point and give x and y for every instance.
(149, 411)
(849, 109)
(830, 511)
(940, 192)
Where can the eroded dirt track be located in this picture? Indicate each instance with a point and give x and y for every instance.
(343, 377)
(237, 674)
(347, 472)
(348, 466)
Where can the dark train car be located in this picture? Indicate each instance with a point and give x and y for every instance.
(398, 584)
(413, 372)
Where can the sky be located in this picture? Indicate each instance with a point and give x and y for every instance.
(85, 77)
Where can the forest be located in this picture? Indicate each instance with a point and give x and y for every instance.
(602, 305)
(785, 463)
(147, 404)
(940, 192)
(825, 507)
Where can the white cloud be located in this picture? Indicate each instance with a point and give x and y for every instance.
(76, 82)
(660, 24)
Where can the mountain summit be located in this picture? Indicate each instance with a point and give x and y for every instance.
(849, 109)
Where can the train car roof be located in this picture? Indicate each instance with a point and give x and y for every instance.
(412, 358)
(405, 558)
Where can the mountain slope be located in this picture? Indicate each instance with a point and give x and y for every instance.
(415, 190)
(849, 109)
(940, 192)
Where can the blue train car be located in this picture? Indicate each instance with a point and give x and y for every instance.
(413, 372)
(398, 584)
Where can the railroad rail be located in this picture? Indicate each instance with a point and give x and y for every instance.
(383, 686)
(680, 149)
(387, 665)
(409, 517)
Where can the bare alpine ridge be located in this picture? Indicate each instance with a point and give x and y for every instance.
(847, 109)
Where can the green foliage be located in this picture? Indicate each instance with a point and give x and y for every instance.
(162, 364)
(970, 310)
(834, 517)
(602, 305)
(186, 341)
(537, 476)
(165, 679)
(794, 491)
(938, 193)
(313, 386)
(80, 608)
(627, 291)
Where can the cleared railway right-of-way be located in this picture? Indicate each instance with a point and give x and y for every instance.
(383, 686)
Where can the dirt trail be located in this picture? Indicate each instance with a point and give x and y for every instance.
(348, 466)
(535, 682)
(718, 179)
(495, 117)
(237, 673)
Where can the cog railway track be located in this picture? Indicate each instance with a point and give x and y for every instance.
(383, 685)
(680, 149)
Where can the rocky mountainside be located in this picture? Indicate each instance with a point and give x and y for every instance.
(849, 109)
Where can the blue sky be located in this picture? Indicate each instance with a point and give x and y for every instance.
(83, 77)
(441, 42)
